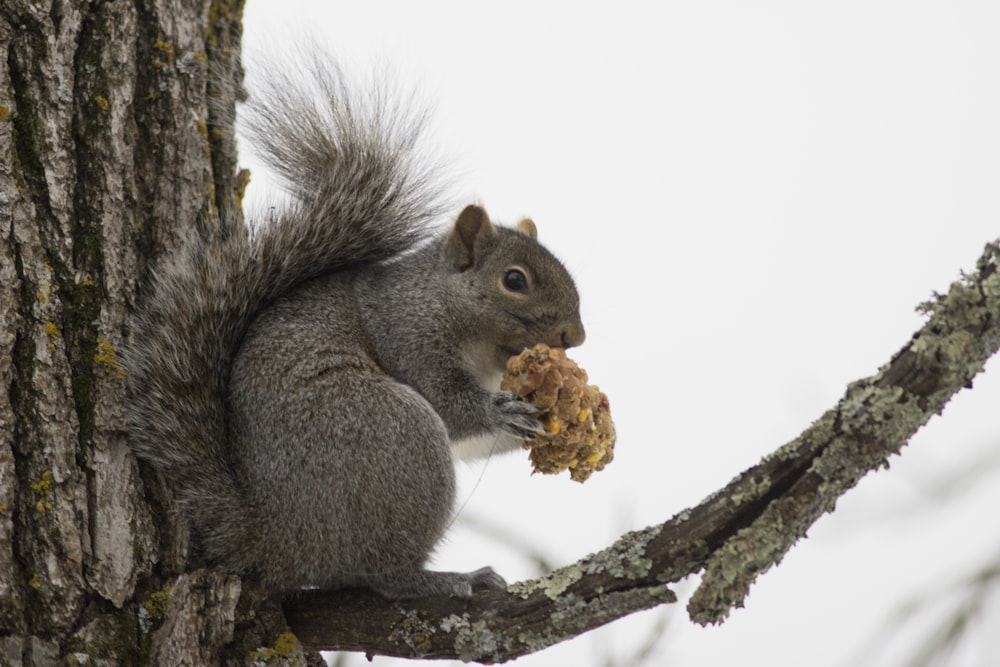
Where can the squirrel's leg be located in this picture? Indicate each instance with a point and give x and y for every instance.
(420, 498)
(349, 471)
(404, 584)
(399, 485)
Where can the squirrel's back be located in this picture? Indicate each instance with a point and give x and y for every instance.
(359, 195)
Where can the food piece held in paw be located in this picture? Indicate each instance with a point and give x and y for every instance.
(579, 435)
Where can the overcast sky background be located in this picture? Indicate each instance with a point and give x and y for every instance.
(753, 198)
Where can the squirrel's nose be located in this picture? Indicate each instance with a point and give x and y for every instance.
(574, 335)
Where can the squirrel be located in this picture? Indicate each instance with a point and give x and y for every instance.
(305, 386)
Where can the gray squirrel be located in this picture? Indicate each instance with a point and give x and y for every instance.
(305, 387)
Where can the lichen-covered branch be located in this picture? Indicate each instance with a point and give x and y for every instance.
(874, 419)
(734, 535)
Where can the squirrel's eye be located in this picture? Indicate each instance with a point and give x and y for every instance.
(515, 280)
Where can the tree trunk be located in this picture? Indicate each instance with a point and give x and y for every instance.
(113, 146)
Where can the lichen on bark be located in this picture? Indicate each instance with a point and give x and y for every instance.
(103, 169)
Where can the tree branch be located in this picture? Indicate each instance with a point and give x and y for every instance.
(734, 535)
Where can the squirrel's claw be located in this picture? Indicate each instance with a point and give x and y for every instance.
(517, 416)
(486, 579)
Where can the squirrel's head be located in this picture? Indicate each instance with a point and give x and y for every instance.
(520, 293)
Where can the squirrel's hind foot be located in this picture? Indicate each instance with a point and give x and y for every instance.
(406, 585)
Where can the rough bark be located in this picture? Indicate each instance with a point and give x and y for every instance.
(115, 143)
(110, 151)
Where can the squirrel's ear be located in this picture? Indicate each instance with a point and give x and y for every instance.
(527, 227)
(472, 229)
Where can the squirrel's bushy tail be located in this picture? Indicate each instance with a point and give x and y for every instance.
(359, 194)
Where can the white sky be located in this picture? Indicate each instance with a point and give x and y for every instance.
(753, 197)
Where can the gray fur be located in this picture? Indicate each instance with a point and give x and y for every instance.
(302, 389)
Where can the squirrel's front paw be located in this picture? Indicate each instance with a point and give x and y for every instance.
(516, 416)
